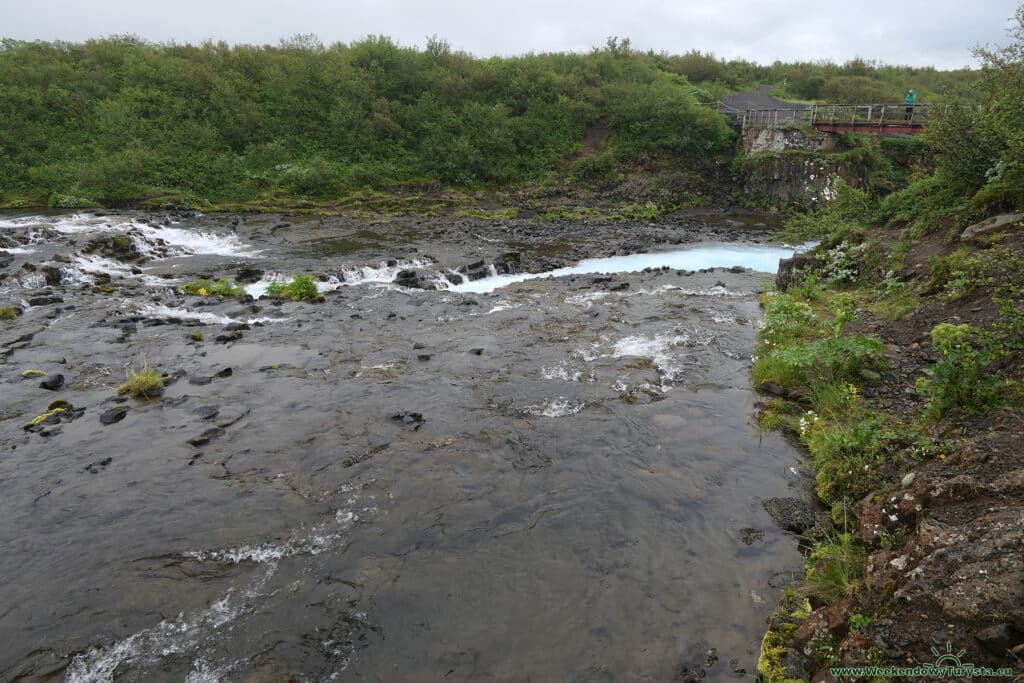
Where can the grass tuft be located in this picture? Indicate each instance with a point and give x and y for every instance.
(223, 287)
(144, 384)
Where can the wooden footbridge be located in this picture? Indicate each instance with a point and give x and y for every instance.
(883, 119)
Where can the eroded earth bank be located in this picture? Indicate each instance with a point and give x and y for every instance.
(557, 480)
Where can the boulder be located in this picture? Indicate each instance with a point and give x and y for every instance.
(790, 269)
(413, 278)
(792, 514)
(1006, 221)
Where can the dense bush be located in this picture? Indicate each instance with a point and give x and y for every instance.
(961, 379)
(118, 119)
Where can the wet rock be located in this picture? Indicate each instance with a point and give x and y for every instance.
(411, 421)
(226, 372)
(53, 275)
(56, 413)
(119, 247)
(792, 514)
(232, 327)
(45, 300)
(619, 287)
(477, 351)
(200, 380)
(710, 657)
(423, 357)
(749, 535)
(784, 579)
(687, 673)
(109, 417)
(230, 415)
(772, 389)
(206, 437)
(248, 274)
(418, 345)
(95, 467)
(413, 278)
(52, 383)
(791, 269)
(207, 412)
(233, 335)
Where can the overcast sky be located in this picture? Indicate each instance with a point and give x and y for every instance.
(919, 32)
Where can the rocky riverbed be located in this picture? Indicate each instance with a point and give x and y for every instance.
(559, 479)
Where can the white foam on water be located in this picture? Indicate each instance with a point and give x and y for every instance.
(193, 633)
(157, 241)
(657, 349)
(498, 308)
(32, 281)
(558, 407)
(206, 317)
(20, 222)
(563, 372)
(190, 242)
(17, 250)
(585, 300)
(84, 267)
(176, 636)
(205, 672)
(760, 258)
(380, 275)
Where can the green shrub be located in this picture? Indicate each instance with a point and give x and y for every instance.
(961, 379)
(848, 450)
(798, 368)
(597, 168)
(301, 288)
(957, 274)
(787, 320)
(8, 313)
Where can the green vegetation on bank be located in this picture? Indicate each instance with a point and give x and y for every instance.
(855, 81)
(119, 120)
(883, 257)
(350, 127)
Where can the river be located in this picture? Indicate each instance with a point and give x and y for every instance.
(528, 479)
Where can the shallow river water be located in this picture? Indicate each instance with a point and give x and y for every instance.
(558, 480)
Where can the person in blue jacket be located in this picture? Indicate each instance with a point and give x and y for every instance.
(910, 100)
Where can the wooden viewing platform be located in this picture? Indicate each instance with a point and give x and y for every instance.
(885, 119)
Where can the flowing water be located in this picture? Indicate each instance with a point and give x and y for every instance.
(512, 479)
